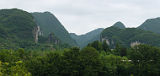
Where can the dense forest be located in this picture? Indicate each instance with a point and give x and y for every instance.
(96, 59)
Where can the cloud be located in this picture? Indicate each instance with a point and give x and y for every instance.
(81, 16)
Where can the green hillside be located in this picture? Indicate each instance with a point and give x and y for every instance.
(151, 25)
(119, 25)
(126, 36)
(16, 26)
(49, 23)
(83, 40)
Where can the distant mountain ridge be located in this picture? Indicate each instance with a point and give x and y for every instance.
(49, 23)
(83, 40)
(151, 25)
(146, 33)
(126, 37)
(18, 29)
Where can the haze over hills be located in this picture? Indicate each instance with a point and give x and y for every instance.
(83, 40)
(18, 26)
(151, 25)
(118, 33)
(49, 23)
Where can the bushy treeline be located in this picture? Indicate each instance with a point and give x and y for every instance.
(96, 59)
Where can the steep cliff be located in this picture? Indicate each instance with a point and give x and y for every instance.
(49, 23)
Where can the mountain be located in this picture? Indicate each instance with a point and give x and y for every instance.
(83, 40)
(49, 23)
(151, 25)
(126, 37)
(119, 25)
(16, 27)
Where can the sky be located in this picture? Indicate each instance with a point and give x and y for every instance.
(82, 16)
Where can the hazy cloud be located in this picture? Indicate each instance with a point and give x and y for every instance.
(81, 16)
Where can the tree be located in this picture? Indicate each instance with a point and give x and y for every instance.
(19, 70)
(144, 57)
(97, 45)
(71, 62)
(116, 65)
(105, 46)
(119, 50)
(90, 62)
(20, 53)
(1, 72)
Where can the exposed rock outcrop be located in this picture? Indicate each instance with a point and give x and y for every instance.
(106, 40)
(36, 33)
(53, 39)
(133, 44)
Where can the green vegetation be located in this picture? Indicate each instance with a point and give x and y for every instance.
(15, 27)
(49, 23)
(20, 55)
(83, 40)
(126, 36)
(119, 25)
(93, 60)
(151, 25)
(17, 31)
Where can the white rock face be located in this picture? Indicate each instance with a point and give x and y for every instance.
(133, 44)
(106, 39)
(37, 32)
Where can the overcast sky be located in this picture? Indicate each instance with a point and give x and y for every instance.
(82, 16)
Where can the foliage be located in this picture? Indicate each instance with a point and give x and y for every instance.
(16, 31)
(146, 58)
(16, 27)
(129, 35)
(151, 25)
(119, 25)
(141, 60)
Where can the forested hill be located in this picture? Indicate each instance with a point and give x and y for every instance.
(83, 40)
(119, 25)
(151, 25)
(49, 23)
(128, 36)
(16, 27)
